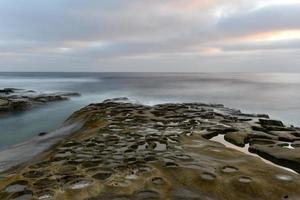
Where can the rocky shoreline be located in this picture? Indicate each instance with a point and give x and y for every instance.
(131, 151)
(14, 100)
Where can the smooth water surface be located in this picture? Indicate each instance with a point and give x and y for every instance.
(274, 94)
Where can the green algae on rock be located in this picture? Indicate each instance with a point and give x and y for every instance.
(133, 151)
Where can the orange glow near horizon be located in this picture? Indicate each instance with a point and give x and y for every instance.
(275, 35)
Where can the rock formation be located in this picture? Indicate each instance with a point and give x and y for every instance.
(131, 151)
(12, 99)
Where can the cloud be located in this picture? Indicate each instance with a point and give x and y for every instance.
(265, 19)
(122, 35)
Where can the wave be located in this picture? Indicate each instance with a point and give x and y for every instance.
(26, 151)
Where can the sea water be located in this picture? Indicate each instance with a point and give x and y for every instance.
(276, 94)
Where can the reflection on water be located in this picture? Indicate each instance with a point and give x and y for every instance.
(25, 151)
(275, 94)
(220, 138)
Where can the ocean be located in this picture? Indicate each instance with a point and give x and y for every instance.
(276, 94)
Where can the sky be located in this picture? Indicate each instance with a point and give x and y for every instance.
(150, 35)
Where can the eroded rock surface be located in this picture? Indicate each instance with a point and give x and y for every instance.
(12, 99)
(130, 151)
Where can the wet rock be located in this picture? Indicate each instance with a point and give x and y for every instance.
(284, 135)
(171, 164)
(255, 115)
(80, 184)
(269, 122)
(4, 105)
(18, 186)
(7, 90)
(278, 154)
(33, 174)
(45, 183)
(245, 179)
(4, 102)
(130, 151)
(116, 100)
(45, 194)
(260, 135)
(284, 177)
(229, 169)
(185, 194)
(277, 128)
(19, 104)
(24, 195)
(103, 175)
(157, 180)
(237, 138)
(12, 100)
(208, 176)
(147, 195)
(42, 133)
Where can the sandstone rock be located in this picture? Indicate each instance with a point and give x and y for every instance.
(268, 122)
(237, 138)
(19, 104)
(132, 151)
(279, 153)
(12, 99)
(4, 105)
(288, 136)
(4, 102)
(7, 90)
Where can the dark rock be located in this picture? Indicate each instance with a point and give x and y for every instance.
(284, 135)
(237, 138)
(33, 174)
(19, 105)
(4, 105)
(131, 151)
(259, 128)
(102, 175)
(43, 133)
(255, 115)
(269, 122)
(278, 154)
(7, 90)
(12, 100)
(278, 128)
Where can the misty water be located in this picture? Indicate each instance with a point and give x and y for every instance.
(275, 94)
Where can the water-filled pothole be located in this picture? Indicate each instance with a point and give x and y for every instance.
(220, 138)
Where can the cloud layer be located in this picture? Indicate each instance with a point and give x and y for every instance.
(150, 35)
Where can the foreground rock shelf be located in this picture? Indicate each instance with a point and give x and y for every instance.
(130, 151)
(13, 99)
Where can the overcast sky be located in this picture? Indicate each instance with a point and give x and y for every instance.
(150, 35)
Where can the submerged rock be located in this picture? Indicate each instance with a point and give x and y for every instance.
(131, 151)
